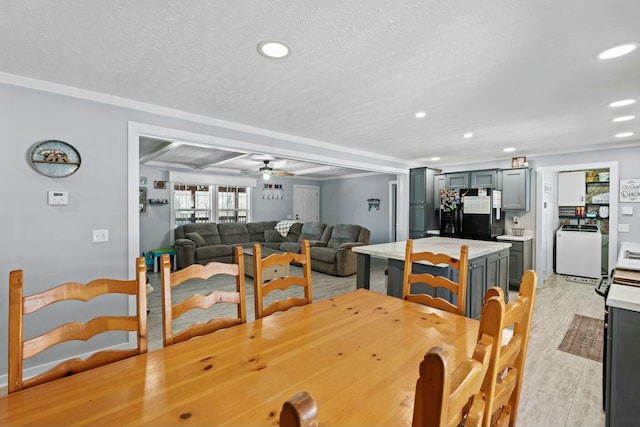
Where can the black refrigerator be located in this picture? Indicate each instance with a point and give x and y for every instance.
(481, 218)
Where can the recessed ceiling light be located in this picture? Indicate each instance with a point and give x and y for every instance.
(273, 49)
(622, 103)
(623, 118)
(509, 150)
(435, 159)
(624, 134)
(618, 51)
(421, 115)
(468, 135)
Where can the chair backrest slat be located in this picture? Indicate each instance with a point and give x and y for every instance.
(21, 349)
(503, 383)
(263, 287)
(458, 288)
(171, 312)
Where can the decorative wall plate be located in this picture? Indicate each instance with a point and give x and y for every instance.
(159, 184)
(54, 158)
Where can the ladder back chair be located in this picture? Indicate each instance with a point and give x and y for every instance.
(449, 395)
(460, 288)
(299, 411)
(171, 312)
(503, 383)
(263, 288)
(21, 349)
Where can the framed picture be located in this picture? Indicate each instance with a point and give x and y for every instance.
(143, 180)
(518, 162)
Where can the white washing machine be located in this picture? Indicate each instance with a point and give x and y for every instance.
(579, 251)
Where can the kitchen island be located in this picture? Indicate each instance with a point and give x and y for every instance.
(488, 266)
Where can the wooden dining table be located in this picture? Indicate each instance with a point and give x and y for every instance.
(357, 354)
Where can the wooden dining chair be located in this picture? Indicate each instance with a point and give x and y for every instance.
(171, 311)
(503, 383)
(458, 288)
(21, 349)
(262, 287)
(299, 411)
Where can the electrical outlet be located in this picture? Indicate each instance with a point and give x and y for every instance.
(623, 228)
(100, 236)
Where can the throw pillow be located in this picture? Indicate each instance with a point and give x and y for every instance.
(196, 238)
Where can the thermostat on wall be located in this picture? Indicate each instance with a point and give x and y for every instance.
(58, 197)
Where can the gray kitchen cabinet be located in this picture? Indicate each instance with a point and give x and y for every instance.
(422, 215)
(485, 179)
(439, 183)
(457, 180)
(516, 189)
(477, 287)
(498, 272)
(622, 384)
(519, 261)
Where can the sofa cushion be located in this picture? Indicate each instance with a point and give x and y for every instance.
(207, 230)
(311, 231)
(256, 230)
(196, 238)
(213, 251)
(343, 233)
(232, 233)
(294, 247)
(327, 255)
(294, 232)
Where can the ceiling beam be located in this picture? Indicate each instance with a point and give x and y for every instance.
(159, 152)
(229, 158)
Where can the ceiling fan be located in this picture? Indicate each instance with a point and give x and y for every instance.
(267, 170)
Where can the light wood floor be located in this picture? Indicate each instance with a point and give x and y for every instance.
(559, 389)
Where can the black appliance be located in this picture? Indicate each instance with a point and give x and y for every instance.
(481, 215)
(603, 291)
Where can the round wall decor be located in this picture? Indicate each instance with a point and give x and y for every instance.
(54, 158)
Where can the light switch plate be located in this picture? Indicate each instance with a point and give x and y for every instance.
(627, 210)
(623, 228)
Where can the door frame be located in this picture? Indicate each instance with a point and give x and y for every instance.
(540, 249)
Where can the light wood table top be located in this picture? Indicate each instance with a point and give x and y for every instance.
(357, 354)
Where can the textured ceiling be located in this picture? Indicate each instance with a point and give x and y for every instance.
(516, 73)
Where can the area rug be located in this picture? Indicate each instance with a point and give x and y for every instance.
(586, 280)
(584, 338)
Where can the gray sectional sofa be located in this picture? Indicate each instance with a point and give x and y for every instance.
(330, 244)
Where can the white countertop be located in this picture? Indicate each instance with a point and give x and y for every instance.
(439, 245)
(623, 296)
(515, 238)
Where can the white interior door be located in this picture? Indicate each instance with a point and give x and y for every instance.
(306, 203)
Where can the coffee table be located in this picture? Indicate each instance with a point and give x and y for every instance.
(268, 273)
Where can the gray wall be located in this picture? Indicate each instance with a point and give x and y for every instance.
(344, 201)
(53, 244)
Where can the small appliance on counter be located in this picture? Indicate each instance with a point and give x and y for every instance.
(481, 216)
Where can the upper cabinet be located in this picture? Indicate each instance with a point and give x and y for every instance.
(457, 180)
(418, 185)
(571, 188)
(516, 189)
(485, 179)
(474, 179)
